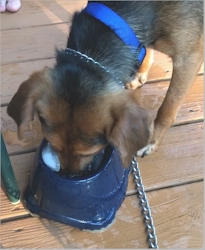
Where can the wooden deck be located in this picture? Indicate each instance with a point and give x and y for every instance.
(173, 176)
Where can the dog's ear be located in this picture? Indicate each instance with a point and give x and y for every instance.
(22, 106)
(130, 129)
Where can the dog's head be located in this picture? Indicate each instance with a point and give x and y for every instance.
(79, 124)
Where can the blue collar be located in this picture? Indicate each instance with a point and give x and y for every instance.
(119, 26)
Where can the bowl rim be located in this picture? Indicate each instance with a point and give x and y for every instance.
(78, 179)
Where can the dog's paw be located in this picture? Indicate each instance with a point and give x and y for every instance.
(140, 79)
(149, 149)
(133, 84)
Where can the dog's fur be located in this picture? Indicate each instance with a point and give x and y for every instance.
(82, 108)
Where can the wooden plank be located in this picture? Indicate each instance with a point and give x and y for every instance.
(151, 95)
(14, 74)
(32, 43)
(177, 214)
(161, 69)
(179, 160)
(39, 13)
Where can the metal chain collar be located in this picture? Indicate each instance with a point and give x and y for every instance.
(152, 238)
(90, 59)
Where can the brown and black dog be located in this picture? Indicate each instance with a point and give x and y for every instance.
(82, 108)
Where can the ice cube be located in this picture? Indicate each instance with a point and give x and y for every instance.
(50, 158)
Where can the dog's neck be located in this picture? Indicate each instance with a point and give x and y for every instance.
(119, 26)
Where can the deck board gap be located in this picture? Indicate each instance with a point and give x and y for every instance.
(29, 60)
(35, 26)
(147, 190)
(188, 122)
(17, 217)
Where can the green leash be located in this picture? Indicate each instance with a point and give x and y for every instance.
(8, 177)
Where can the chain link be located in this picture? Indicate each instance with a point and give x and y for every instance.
(150, 229)
(90, 59)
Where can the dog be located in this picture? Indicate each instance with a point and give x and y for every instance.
(80, 101)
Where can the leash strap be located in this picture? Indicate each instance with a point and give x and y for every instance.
(119, 26)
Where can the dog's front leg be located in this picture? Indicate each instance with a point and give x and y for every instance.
(184, 72)
(142, 73)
